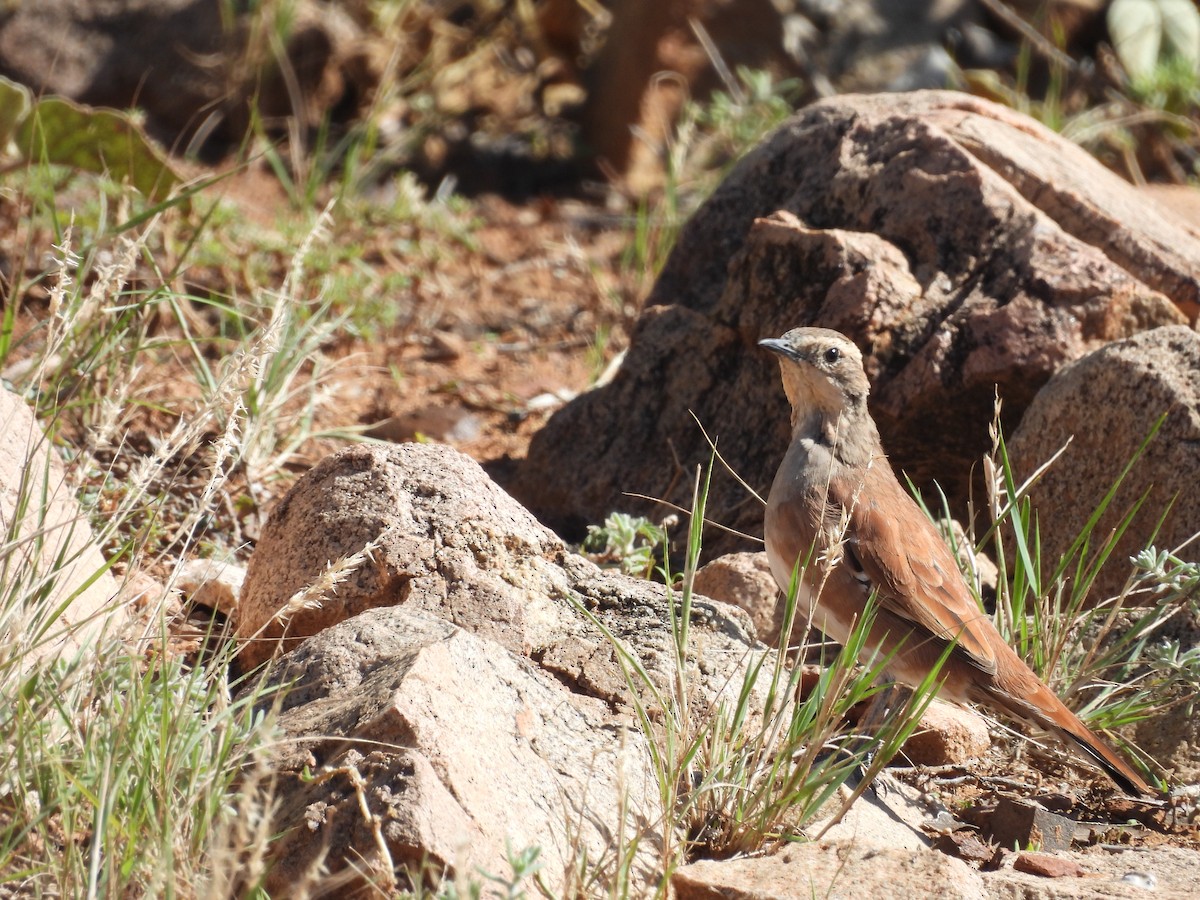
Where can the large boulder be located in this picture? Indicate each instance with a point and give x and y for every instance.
(965, 248)
(461, 686)
(442, 749)
(1106, 405)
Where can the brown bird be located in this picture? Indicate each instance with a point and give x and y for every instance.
(835, 497)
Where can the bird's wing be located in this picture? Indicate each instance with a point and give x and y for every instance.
(903, 557)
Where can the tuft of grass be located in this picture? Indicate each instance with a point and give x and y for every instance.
(134, 767)
(122, 758)
(1104, 656)
(1040, 600)
(122, 771)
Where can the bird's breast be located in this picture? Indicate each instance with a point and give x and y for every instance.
(793, 527)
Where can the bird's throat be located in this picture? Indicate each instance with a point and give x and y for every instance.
(847, 433)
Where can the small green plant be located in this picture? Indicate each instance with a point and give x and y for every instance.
(1173, 87)
(735, 120)
(1158, 44)
(524, 864)
(629, 543)
(1177, 672)
(1139, 673)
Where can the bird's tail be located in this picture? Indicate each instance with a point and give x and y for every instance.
(1042, 708)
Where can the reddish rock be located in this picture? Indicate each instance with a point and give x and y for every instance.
(1048, 866)
(1158, 872)
(948, 734)
(448, 541)
(744, 580)
(445, 750)
(967, 846)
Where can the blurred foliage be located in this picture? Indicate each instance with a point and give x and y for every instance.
(1150, 35)
(59, 132)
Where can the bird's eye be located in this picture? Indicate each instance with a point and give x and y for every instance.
(832, 355)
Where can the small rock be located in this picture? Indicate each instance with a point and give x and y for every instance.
(1048, 866)
(1168, 871)
(212, 583)
(140, 593)
(444, 346)
(744, 580)
(967, 846)
(471, 636)
(948, 734)
(1021, 823)
(447, 541)
(842, 868)
(448, 424)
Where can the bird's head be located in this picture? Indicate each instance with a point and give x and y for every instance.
(822, 372)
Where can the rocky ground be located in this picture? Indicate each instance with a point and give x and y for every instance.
(463, 693)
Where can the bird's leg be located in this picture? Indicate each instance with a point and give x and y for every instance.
(892, 697)
(887, 702)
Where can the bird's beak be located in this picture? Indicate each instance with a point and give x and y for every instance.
(777, 345)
